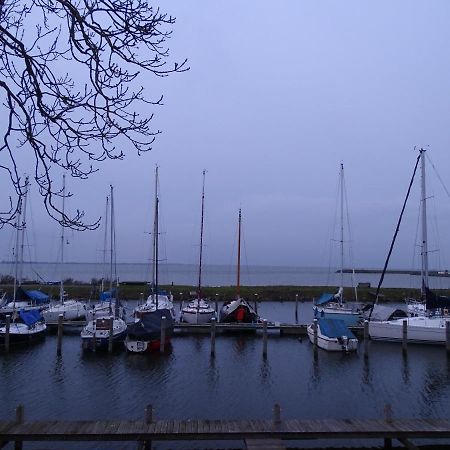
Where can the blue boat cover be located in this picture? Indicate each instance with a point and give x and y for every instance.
(334, 328)
(106, 295)
(324, 298)
(30, 317)
(38, 296)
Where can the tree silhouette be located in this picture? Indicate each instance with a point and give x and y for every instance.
(70, 73)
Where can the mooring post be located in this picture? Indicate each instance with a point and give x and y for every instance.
(447, 336)
(94, 329)
(111, 334)
(366, 338)
(265, 338)
(405, 337)
(60, 334)
(388, 419)
(20, 418)
(7, 328)
(147, 445)
(162, 342)
(296, 308)
(213, 336)
(315, 335)
(276, 414)
(149, 414)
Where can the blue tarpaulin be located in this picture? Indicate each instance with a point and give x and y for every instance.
(37, 297)
(334, 328)
(30, 317)
(324, 298)
(106, 295)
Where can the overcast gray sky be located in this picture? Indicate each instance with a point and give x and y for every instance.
(279, 94)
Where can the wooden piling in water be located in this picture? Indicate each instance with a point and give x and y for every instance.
(447, 336)
(315, 325)
(405, 336)
(276, 414)
(20, 418)
(147, 445)
(265, 338)
(94, 337)
(296, 308)
(60, 334)
(213, 336)
(111, 334)
(366, 338)
(162, 342)
(7, 328)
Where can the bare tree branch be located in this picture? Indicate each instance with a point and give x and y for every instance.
(74, 122)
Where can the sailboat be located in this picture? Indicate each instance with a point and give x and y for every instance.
(430, 327)
(25, 310)
(96, 334)
(107, 300)
(144, 335)
(198, 310)
(158, 298)
(238, 310)
(334, 306)
(23, 299)
(70, 309)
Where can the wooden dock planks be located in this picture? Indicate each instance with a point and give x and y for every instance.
(116, 430)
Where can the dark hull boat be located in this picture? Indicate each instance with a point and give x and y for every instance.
(144, 335)
(238, 311)
(29, 327)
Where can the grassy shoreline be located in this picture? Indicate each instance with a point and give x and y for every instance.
(251, 293)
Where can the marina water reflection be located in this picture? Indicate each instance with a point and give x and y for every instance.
(238, 383)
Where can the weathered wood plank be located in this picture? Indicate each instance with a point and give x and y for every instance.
(226, 429)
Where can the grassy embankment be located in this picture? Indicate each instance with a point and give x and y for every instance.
(252, 293)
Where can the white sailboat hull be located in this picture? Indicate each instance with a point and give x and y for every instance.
(421, 330)
(341, 344)
(197, 312)
(70, 309)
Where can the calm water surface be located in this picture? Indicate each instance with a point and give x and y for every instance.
(237, 383)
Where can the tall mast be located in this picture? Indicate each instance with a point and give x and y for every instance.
(238, 282)
(342, 232)
(111, 251)
(424, 225)
(105, 243)
(61, 283)
(22, 232)
(16, 250)
(155, 227)
(199, 293)
(156, 249)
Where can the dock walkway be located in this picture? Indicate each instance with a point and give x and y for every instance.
(215, 430)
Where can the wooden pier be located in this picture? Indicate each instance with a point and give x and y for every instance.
(254, 432)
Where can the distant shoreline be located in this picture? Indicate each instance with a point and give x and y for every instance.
(431, 273)
(135, 291)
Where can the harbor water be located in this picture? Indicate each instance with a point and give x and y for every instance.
(237, 384)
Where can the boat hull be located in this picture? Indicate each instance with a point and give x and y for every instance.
(191, 314)
(420, 330)
(19, 333)
(71, 310)
(145, 346)
(96, 337)
(332, 344)
(237, 311)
